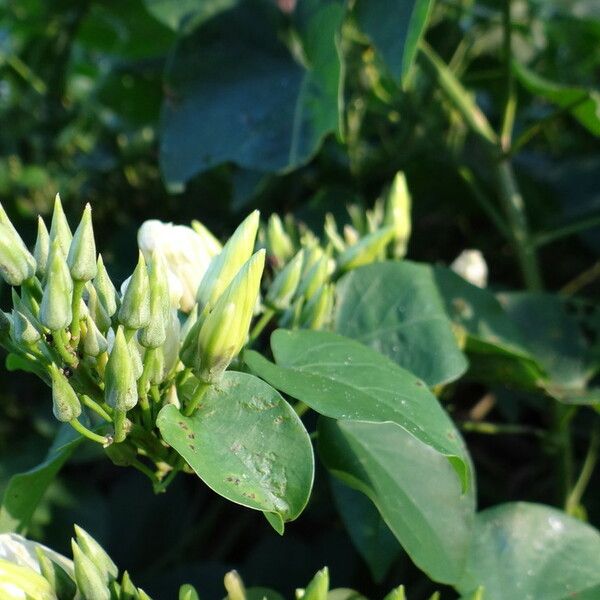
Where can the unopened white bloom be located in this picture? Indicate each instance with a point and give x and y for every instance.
(471, 265)
(187, 256)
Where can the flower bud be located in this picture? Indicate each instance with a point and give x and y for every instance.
(65, 404)
(223, 332)
(211, 244)
(94, 343)
(331, 231)
(318, 588)
(135, 305)
(188, 592)
(286, 282)
(94, 551)
(316, 313)
(82, 251)
(23, 330)
(367, 250)
(120, 389)
(16, 263)
(90, 581)
(42, 248)
(224, 266)
(59, 228)
(62, 585)
(5, 323)
(314, 278)
(397, 213)
(97, 311)
(278, 241)
(471, 265)
(235, 586)
(396, 594)
(107, 294)
(155, 333)
(55, 310)
(18, 581)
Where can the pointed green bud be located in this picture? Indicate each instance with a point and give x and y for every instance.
(59, 228)
(211, 243)
(120, 384)
(357, 216)
(317, 312)
(97, 311)
(62, 585)
(94, 551)
(286, 282)
(42, 248)
(128, 590)
(312, 281)
(318, 588)
(135, 352)
(5, 323)
(107, 293)
(331, 231)
(141, 595)
(82, 252)
(23, 330)
(278, 241)
(397, 213)
(55, 310)
(351, 236)
(396, 594)
(90, 582)
(188, 592)
(65, 404)
(16, 263)
(225, 265)
(369, 249)
(223, 332)
(235, 586)
(17, 581)
(94, 343)
(375, 216)
(155, 333)
(135, 305)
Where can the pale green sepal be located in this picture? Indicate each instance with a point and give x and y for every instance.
(60, 581)
(90, 581)
(396, 594)
(397, 213)
(135, 305)
(120, 389)
(28, 582)
(188, 592)
(279, 242)
(59, 228)
(41, 250)
(65, 404)
(367, 250)
(155, 333)
(284, 286)
(16, 263)
(107, 294)
(94, 343)
(318, 587)
(55, 309)
(23, 330)
(94, 551)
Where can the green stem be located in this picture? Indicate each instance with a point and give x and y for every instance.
(92, 405)
(78, 287)
(546, 237)
(164, 484)
(147, 471)
(487, 428)
(196, 398)
(119, 425)
(574, 498)
(261, 324)
(143, 384)
(90, 435)
(60, 344)
(510, 105)
(301, 408)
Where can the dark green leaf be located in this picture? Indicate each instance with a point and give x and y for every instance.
(343, 379)
(25, 490)
(395, 27)
(583, 104)
(395, 307)
(184, 15)
(493, 342)
(367, 530)
(414, 488)
(236, 94)
(523, 550)
(248, 445)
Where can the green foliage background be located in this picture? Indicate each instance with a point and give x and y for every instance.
(181, 110)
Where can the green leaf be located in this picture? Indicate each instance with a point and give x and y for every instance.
(523, 550)
(554, 338)
(235, 93)
(184, 15)
(342, 379)
(413, 486)
(25, 490)
(247, 444)
(395, 27)
(496, 349)
(395, 307)
(367, 530)
(583, 104)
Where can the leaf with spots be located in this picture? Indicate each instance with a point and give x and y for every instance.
(248, 445)
(343, 379)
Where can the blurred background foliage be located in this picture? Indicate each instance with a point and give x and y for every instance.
(181, 109)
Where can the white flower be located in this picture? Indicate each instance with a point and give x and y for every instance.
(471, 265)
(187, 256)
